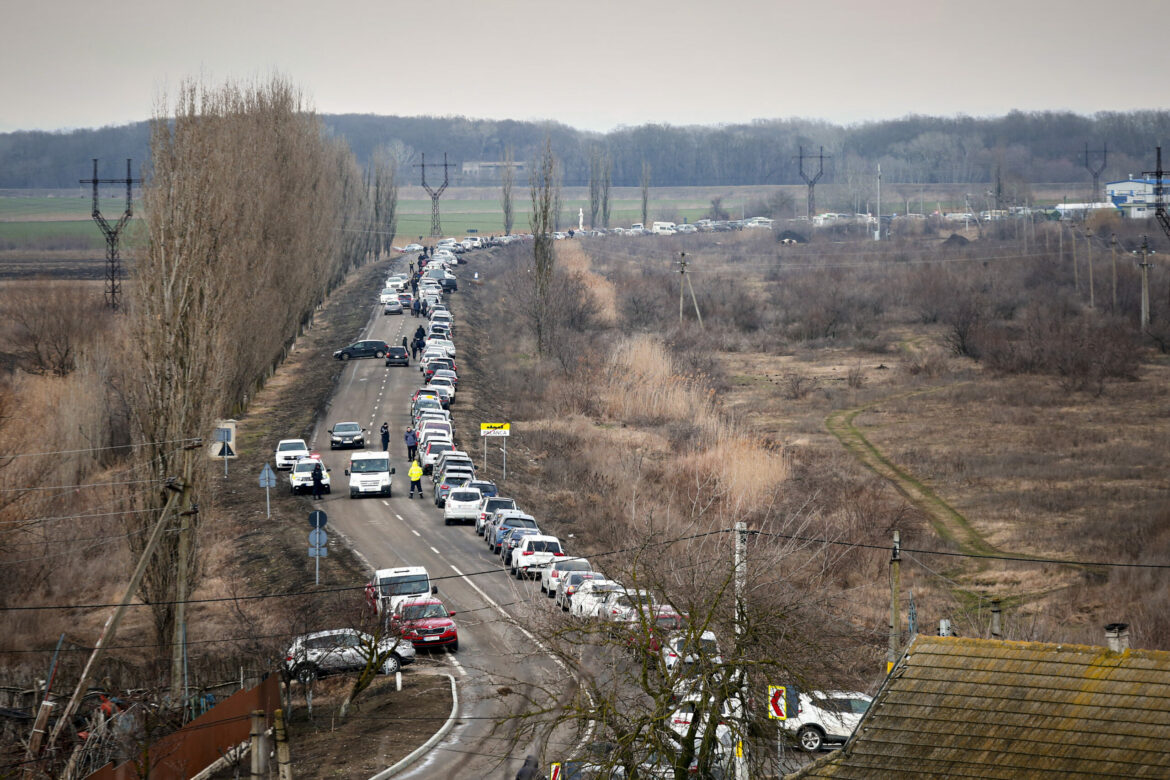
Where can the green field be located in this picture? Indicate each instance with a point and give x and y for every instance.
(49, 224)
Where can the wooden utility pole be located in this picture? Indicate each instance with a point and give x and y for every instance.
(895, 581)
(283, 757)
(682, 269)
(111, 626)
(179, 646)
(1145, 264)
(1089, 245)
(1113, 249)
(1076, 268)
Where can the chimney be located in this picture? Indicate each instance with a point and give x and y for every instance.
(1117, 637)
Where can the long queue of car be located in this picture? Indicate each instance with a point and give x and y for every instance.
(407, 600)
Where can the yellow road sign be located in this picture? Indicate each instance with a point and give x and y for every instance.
(778, 702)
(495, 429)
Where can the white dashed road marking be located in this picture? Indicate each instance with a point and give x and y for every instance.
(436, 552)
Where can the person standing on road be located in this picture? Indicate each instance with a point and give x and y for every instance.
(419, 333)
(411, 444)
(530, 770)
(414, 349)
(404, 342)
(385, 431)
(318, 480)
(415, 475)
(424, 308)
(414, 307)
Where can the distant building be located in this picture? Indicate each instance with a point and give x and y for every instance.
(1134, 197)
(981, 708)
(488, 171)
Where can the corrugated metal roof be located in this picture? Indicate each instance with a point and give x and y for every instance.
(978, 708)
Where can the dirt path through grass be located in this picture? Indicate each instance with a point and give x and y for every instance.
(947, 521)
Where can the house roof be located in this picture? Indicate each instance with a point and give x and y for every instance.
(957, 707)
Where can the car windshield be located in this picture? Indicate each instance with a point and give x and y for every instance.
(544, 545)
(285, 446)
(573, 566)
(455, 480)
(708, 647)
(369, 465)
(464, 495)
(305, 468)
(423, 611)
(440, 446)
(500, 503)
(632, 599)
(398, 350)
(405, 584)
(520, 522)
(670, 622)
(347, 428)
(389, 291)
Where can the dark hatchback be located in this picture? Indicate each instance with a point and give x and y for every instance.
(397, 356)
(370, 348)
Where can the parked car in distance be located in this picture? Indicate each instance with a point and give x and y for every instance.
(412, 248)
(553, 572)
(397, 356)
(511, 540)
(568, 584)
(289, 451)
(461, 506)
(825, 717)
(300, 479)
(389, 293)
(369, 348)
(487, 507)
(486, 487)
(346, 434)
(390, 587)
(370, 474)
(448, 483)
(625, 607)
(393, 306)
(342, 650)
(684, 649)
(426, 623)
(534, 553)
(505, 519)
(591, 595)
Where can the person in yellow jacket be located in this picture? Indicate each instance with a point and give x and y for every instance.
(415, 475)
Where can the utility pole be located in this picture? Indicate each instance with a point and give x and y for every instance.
(111, 627)
(1092, 291)
(1145, 265)
(740, 631)
(996, 620)
(179, 643)
(112, 233)
(811, 181)
(1095, 170)
(1113, 250)
(436, 227)
(682, 269)
(1076, 266)
(1159, 190)
(877, 234)
(895, 579)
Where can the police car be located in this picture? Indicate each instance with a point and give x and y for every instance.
(300, 479)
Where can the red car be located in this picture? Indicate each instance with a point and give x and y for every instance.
(427, 623)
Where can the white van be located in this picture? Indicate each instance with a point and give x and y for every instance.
(663, 228)
(369, 474)
(391, 587)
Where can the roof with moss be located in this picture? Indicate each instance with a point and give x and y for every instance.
(978, 708)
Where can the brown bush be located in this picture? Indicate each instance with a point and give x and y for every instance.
(50, 324)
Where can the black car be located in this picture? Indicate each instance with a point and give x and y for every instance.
(363, 349)
(397, 356)
(347, 434)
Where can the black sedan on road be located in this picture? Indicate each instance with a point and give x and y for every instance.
(397, 356)
(370, 348)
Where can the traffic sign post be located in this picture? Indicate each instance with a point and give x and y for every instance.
(778, 711)
(554, 772)
(223, 442)
(318, 539)
(267, 480)
(495, 429)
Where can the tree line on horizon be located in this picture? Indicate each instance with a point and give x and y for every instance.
(1031, 146)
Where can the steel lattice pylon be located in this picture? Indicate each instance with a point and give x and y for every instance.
(436, 225)
(112, 232)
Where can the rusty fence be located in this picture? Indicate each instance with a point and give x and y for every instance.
(202, 741)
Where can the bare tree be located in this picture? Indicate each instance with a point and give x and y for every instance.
(606, 179)
(595, 179)
(51, 324)
(645, 192)
(384, 199)
(507, 180)
(546, 198)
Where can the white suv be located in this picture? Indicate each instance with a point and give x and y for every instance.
(534, 553)
(822, 717)
(343, 650)
(462, 505)
(289, 451)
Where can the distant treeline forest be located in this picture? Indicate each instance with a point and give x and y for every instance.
(1030, 147)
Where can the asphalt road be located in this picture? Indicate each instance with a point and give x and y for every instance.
(494, 652)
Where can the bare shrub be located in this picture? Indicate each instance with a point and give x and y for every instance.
(928, 363)
(797, 386)
(52, 323)
(856, 377)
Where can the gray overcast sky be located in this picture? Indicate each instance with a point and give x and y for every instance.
(595, 64)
